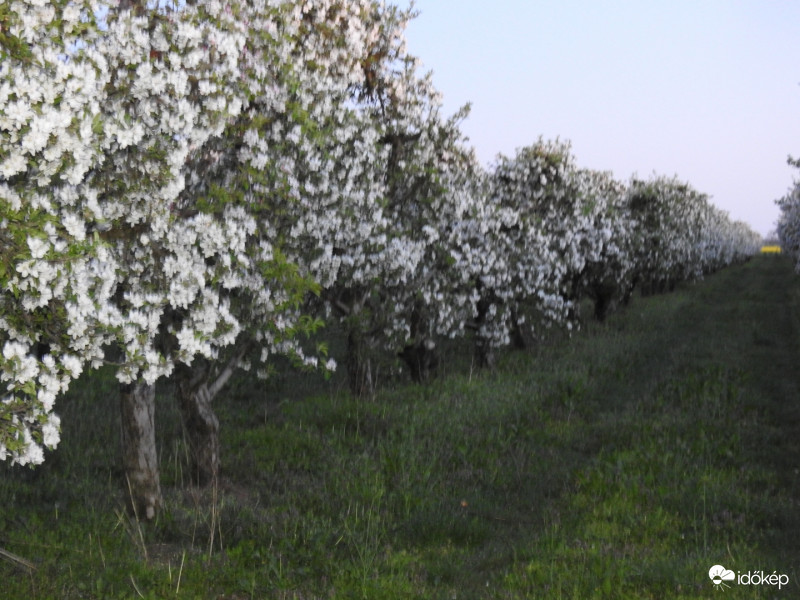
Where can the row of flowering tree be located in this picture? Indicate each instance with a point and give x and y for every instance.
(190, 189)
(788, 228)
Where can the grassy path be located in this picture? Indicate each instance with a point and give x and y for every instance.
(623, 463)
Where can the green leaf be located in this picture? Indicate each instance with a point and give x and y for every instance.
(97, 124)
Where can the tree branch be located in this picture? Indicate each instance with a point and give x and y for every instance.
(227, 372)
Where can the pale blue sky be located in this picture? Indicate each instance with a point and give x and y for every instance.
(708, 90)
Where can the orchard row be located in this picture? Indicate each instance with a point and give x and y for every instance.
(789, 220)
(191, 190)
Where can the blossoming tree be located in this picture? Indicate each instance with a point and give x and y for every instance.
(678, 236)
(393, 291)
(300, 160)
(789, 221)
(186, 190)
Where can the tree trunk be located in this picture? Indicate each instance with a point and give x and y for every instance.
(421, 360)
(359, 367)
(201, 424)
(628, 290)
(139, 456)
(517, 334)
(483, 353)
(197, 386)
(604, 294)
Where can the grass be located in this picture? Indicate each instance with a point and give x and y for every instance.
(622, 463)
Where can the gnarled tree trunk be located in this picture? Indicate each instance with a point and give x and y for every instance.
(360, 370)
(200, 423)
(197, 386)
(139, 455)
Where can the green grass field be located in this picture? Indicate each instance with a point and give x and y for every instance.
(621, 463)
